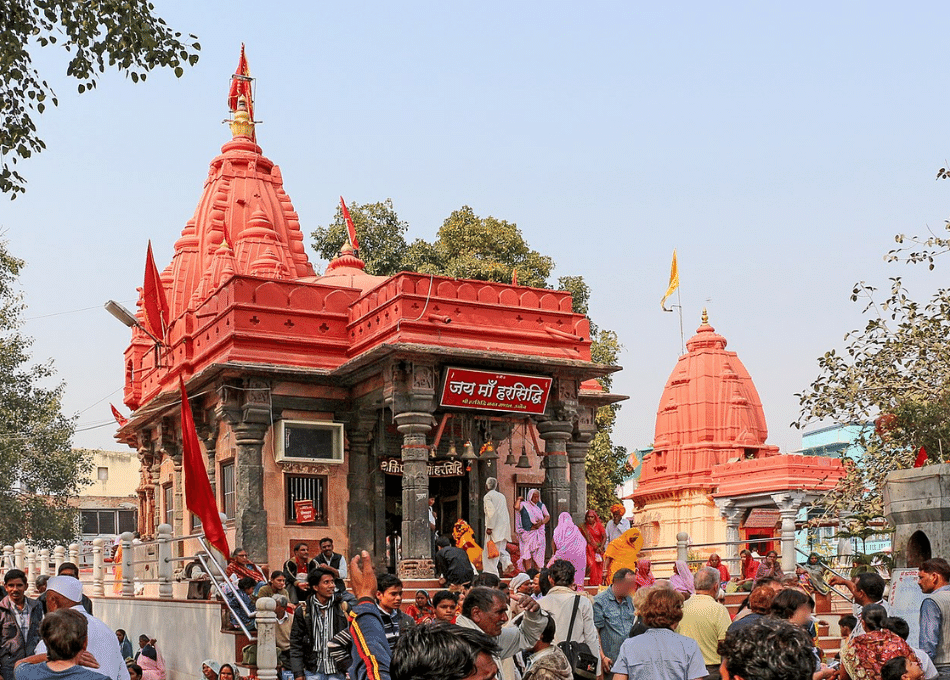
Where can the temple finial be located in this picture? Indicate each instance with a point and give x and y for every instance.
(241, 93)
(241, 124)
(705, 317)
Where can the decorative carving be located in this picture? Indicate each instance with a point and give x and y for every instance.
(303, 468)
(423, 378)
(416, 569)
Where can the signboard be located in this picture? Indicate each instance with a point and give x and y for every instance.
(905, 600)
(445, 468)
(493, 391)
(304, 511)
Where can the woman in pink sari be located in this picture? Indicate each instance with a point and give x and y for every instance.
(682, 579)
(645, 577)
(570, 545)
(533, 518)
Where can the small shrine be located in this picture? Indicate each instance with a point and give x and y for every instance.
(711, 473)
(337, 405)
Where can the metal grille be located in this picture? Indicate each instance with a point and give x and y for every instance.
(169, 505)
(227, 489)
(300, 488)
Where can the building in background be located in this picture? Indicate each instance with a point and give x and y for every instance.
(108, 506)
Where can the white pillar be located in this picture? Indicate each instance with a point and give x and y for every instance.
(7, 557)
(44, 562)
(682, 546)
(59, 556)
(98, 568)
(733, 515)
(19, 555)
(128, 588)
(31, 573)
(788, 504)
(266, 639)
(164, 560)
(74, 549)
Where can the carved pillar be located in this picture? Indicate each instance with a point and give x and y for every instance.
(171, 447)
(208, 427)
(556, 428)
(248, 410)
(733, 515)
(360, 484)
(577, 450)
(788, 504)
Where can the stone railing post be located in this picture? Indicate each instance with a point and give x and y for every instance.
(19, 555)
(7, 557)
(266, 639)
(98, 568)
(682, 546)
(128, 588)
(31, 572)
(788, 504)
(59, 556)
(165, 561)
(74, 550)
(44, 562)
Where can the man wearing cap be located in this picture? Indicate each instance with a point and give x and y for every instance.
(65, 592)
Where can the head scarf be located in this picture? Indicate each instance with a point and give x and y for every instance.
(622, 552)
(212, 664)
(616, 507)
(518, 581)
(535, 513)
(567, 536)
(645, 577)
(682, 580)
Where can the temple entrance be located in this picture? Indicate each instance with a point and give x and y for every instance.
(451, 496)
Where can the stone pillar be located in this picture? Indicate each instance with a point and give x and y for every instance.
(682, 546)
(555, 493)
(164, 560)
(19, 555)
(44, 562)
(788, 504)
(73, 552)
(59, 556)
(266, 639)
(733, 515)
(577, 450)
(98, 568)
(31, 572)
(415, 493)
(128, 569)
(359, 481)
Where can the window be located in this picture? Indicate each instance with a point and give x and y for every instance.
(96, 522)
(169, 495)
(227, 489)
(103, 474)
(307, 487)
(309, 441)
(195, 523)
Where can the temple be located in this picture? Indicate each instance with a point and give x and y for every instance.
(711, 473)
(337, 405)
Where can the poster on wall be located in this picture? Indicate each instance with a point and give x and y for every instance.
(905, 599)
(494, 391)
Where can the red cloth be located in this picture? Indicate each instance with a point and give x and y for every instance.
(921, 458)
(241, 86)
(154, 302)
(350, 228)
(199, 498)
(723, 571)
(749, 570)
(594, 533)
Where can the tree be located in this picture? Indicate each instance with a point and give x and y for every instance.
(125, 34)
(485, 249)
(895, 372)
(39, 469)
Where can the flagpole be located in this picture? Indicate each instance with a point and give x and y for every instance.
(679, 299)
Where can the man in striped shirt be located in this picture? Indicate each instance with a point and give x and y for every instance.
(316, 622)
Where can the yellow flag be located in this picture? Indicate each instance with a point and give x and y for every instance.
(674, 282)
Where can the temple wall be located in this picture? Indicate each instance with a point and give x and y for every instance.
(691, 511)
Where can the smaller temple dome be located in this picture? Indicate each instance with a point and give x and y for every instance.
(347, 270)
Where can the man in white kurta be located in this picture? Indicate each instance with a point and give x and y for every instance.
(497, 528)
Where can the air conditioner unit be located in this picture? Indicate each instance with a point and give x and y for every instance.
(309, 441)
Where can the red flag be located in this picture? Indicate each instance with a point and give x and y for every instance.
(241, 85)
(349, 225)
(199, 498)
(514, 277)
(154, 301)
(921, 458)
(119, 418)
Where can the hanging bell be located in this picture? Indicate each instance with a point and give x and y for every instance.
(452, 452)
(510, 458)
(523, 461)
(468, 453)
(489, 452)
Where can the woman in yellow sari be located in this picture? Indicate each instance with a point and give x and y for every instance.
(464, 537)
(622, 552)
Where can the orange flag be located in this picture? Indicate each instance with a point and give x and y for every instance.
(119, 418)
(154, 301)
(351, 230)
(199, 498)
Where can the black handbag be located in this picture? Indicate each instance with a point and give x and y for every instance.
(583, 663)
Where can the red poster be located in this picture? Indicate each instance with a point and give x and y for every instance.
(493, 391)
(304, 511)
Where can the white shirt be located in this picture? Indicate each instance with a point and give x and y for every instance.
(616, 530)
(496, 516)
(102, 645)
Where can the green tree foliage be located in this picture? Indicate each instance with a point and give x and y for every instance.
(125, 34)
(894, 372)
(39, 470)
(486, 249)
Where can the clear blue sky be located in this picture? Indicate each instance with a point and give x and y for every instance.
(779, 147)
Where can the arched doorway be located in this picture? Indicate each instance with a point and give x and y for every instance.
(918, 549)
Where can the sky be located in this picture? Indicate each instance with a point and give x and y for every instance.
(779, 147)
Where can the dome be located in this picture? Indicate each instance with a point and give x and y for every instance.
(710, 400)
(346, 270)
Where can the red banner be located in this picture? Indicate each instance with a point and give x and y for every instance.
(492, 391)
(304, 511)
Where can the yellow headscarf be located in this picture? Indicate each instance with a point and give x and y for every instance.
(624, 550)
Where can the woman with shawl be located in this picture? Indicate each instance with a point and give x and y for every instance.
(812, 575)
(533, 518)
(596, 537)
(210, 668)
(422, 610)
(464, 537)
(151, 662)
(682, 579)
(644, 576)
(570, 545)
(865, 655)
(622, 553)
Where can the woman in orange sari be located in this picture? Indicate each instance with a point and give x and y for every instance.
(593, 530)
(622, 552)
(464, 537)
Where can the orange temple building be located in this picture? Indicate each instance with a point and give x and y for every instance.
(711, 473)
(346, 396)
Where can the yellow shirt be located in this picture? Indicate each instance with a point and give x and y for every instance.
(706, 621)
